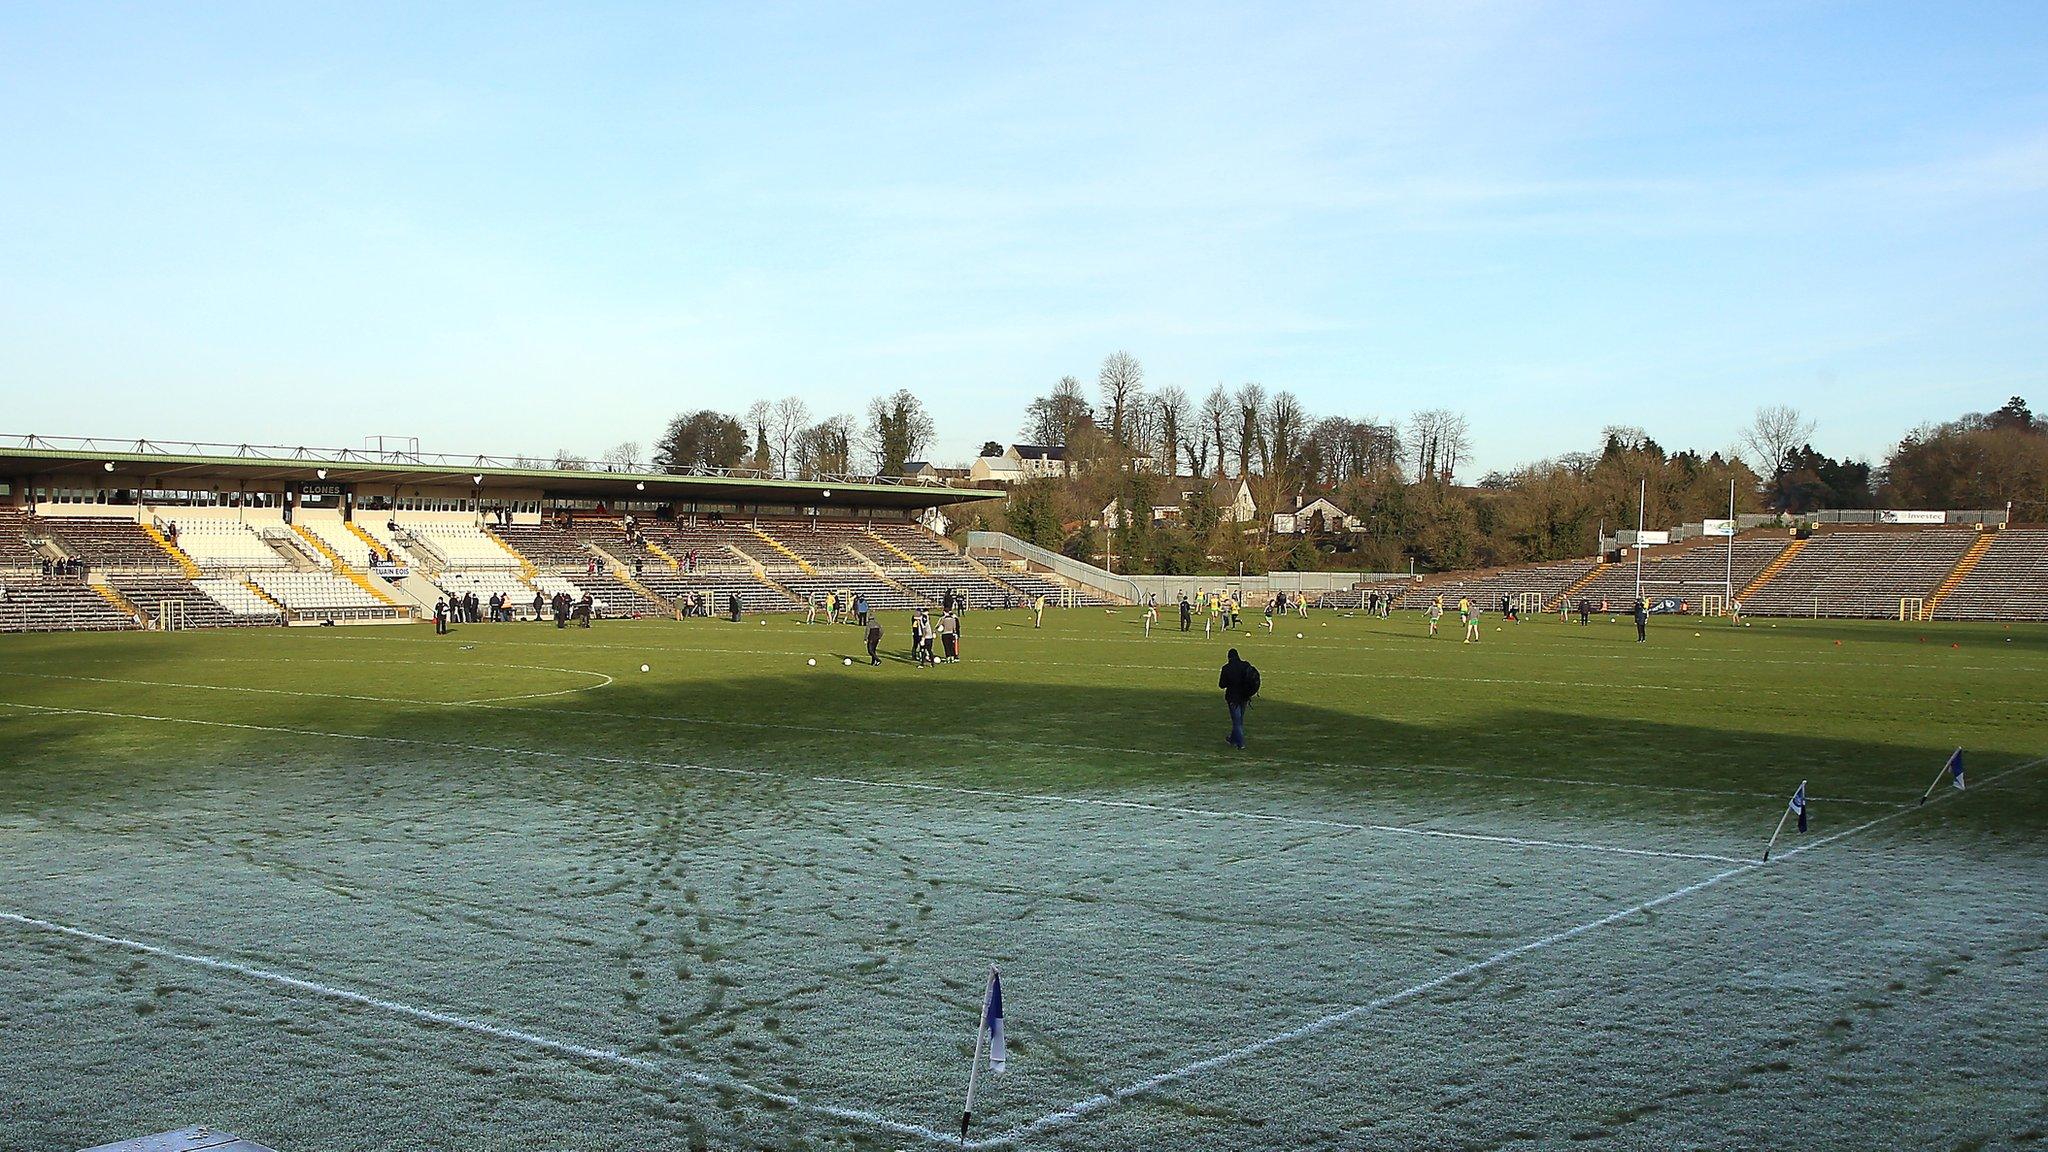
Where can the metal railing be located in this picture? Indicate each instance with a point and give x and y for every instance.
(1066, 567)
(381, 455)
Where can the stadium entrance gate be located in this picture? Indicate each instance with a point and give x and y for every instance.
(170, 616)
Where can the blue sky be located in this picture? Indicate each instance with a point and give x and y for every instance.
(528, 228)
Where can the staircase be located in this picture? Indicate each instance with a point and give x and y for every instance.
(267, 598)
(185, 563)
(1958, 574)
(905, 556)
(1772, 569)
(1579, 585)
(527, 569)
(779, 546)
(661, 555)
(113, 596)
(343, 568)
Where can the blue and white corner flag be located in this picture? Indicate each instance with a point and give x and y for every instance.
(992, 1019)
(1799, 805)
(1955, 769)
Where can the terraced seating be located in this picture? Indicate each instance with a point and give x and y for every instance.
(1860, 573)
(314, 591)
(919, 545)
(1687, 574)
(982, 594)
(462, 546)
(1486, 588)
(15, 551)
(236, 598)
(545, 546)
(1031, 585)
(109, 543)
(2010, 581)
(487, 583)
(755, 597)
(820, 544)
(31, 604)
(881, 596)
(200, 610)
(713, 543)
(221, 543)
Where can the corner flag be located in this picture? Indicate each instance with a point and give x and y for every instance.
(1798, 805)
(991, 1030)
(1953, 770)
(992, 1019)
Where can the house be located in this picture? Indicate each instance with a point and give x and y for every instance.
(1232, 497)
(1020, 462)
(1316, 516)
(925, 472)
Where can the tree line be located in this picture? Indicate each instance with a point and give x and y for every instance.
(1133, 448)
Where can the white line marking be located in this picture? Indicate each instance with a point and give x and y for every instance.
(895, 785)
(1098, 1102)
(604, 681)
(497, 1032)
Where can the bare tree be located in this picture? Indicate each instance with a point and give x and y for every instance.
(1170, 410)
(1251, 433)
(1217, 414)
(1775, 431)
(1439, 438)
(1123, 382)
(1055, 418)
(824, 449)
(623, 455)
(790, 417)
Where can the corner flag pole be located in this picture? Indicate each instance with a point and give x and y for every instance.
(1782, 817)
(974, 1069)
(1937, 777)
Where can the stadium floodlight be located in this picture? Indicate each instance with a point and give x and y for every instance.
(828, 493)
(640, 486)
(320, 473)
(479, 479)
(109, 465)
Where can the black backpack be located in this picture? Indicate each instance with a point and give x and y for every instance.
(1251, 680)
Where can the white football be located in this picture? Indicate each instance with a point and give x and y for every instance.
(848, 661)
(643, 667)
(813, 663)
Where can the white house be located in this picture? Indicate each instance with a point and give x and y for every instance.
(1232, 497)
(1318, 515)
(1021, 462)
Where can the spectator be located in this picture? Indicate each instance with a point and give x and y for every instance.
(1240, 682)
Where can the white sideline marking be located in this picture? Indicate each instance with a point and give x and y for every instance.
(605, 681)
(893, 785)
(494, 1031)
(1096, 1103)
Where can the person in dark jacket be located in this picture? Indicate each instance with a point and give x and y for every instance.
(1585, 610)
(874, 623)
(732, 606)
(1239, 681)
(440, 617)
(1187, 613)
(1642, 620)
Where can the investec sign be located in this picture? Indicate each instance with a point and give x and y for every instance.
(1895, 516)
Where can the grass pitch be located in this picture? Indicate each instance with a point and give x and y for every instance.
(371, 888)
